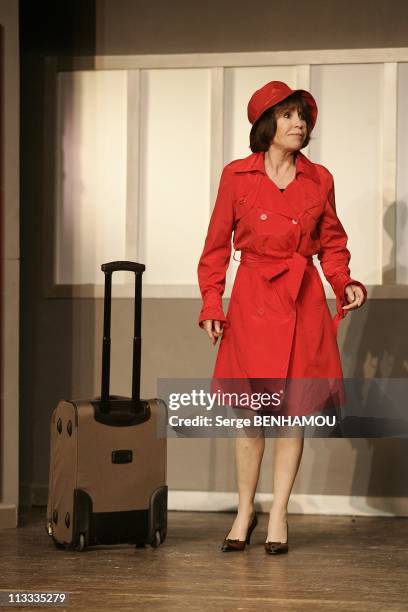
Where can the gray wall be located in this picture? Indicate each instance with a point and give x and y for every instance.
(127, 26)
(61, 338)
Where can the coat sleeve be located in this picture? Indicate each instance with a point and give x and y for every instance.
(214, 260)
(334, 255)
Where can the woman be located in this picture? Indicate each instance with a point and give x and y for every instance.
(281, 208)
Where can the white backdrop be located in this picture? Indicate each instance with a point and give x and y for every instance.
(174, 117)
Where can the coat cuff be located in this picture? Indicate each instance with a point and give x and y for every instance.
(215, 314)
(339, 285)
(339, 288)
(352, 281)
(212, 308)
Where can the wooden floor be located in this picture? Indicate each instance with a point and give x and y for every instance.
(334, 563)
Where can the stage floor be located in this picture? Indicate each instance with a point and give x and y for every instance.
(334, 563)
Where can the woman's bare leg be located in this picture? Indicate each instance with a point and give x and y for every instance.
(248, 457)
(287, 456)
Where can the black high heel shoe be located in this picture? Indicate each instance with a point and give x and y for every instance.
(230, 545)
(276, 548)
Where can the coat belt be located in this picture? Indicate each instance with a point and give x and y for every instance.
(294, 266)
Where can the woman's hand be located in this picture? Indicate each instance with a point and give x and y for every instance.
(355, 297)
(213, 329)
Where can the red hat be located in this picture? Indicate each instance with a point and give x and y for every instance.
(272, 93)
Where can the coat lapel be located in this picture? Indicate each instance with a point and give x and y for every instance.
(294, 200)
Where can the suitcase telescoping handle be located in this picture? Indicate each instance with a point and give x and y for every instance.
(108, 269)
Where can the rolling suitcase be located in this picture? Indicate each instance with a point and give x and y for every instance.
(107, 475)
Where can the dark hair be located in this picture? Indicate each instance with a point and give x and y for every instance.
(264, 129)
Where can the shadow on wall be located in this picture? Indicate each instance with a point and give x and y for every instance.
(375, 346)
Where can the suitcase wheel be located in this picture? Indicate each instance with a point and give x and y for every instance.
(81, 543)
(157, 539)
(48, 528)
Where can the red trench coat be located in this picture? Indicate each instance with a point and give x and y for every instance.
(278, 325)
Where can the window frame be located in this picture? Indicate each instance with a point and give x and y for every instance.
(216, 63)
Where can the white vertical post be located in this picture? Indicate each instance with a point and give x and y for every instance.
(217, 131)
(132, 166)
(389, 174)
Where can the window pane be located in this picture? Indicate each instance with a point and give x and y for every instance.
(175, 171)
(402, 176)
(347, 140)
(91, 171)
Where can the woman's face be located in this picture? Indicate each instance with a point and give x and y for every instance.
(290, 129)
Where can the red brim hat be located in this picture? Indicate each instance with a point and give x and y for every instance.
(272, 93)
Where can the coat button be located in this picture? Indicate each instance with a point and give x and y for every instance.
(242, 200)
(294, 221)
(261, 311)
(263, 217)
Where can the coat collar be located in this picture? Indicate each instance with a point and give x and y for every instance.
(255, 162)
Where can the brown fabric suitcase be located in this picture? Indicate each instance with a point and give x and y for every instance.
(107, 474)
